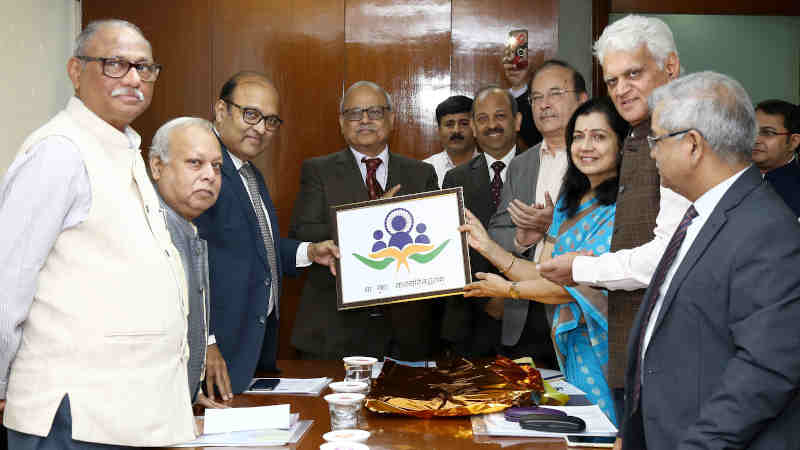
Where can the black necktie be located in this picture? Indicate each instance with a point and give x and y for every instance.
(497, 183)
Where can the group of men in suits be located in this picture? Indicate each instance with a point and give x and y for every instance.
(699, 374)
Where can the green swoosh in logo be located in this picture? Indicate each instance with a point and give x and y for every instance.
(427, 257)
(379, 265)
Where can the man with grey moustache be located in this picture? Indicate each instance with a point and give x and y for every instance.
(82, 232)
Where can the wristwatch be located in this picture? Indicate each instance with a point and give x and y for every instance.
(513, 291)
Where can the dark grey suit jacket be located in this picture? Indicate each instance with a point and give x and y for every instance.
(403, 330)
(521, 178)
(723, 365)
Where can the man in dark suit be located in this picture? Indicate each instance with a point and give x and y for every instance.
(472, 327)
(775, 152)
(247, 255)
(712, 357)
(361, 172)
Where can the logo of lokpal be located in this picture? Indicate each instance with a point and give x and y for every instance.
(401, 246)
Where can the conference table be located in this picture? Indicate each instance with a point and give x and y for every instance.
(387, 431)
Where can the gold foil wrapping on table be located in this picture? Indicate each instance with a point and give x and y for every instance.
(454, 388)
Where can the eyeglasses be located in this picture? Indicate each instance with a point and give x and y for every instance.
(252, 116)
(118, 68)
(553, 95)
(373, 113)
(652, 141)
(766, 132)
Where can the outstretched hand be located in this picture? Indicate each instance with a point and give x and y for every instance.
(559, 268)
(324, 253)
(491, 285)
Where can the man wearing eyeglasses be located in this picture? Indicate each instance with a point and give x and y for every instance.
(90, 276)
(247, 255)
(365, 170)
(526, 206)
(637, 54)
(775, 151)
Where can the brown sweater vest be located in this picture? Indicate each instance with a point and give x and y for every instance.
(637, 208)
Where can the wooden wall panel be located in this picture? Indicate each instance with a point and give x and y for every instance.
(300, 46)
(405, 48)
(738, 7)
(480, 30)
(180, 34)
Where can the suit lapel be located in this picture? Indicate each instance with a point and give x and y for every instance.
(233, 180)
(479, 185)
(719, 216)
(348, 172)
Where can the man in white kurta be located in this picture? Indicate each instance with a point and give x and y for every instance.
(93, 301)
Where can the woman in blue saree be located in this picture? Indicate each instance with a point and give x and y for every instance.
(583, 220)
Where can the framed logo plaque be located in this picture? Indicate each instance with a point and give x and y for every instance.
(401, 249)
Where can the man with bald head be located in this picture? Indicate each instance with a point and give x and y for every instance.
(91, 278)
(365, 170)
(247, 255)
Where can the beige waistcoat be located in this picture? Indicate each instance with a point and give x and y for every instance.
(108, 323)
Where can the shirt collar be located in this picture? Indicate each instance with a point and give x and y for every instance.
(383, 155)
(518, 92)
(706, 203)
(545, 150)
(505, 159)
(237, 163)
(449, 161)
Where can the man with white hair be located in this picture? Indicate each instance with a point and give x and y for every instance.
(90, 276)
(637, 54)
(712, 360)
(185, 164)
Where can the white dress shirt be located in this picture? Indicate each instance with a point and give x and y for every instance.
(505, 159)
(631, 269)
(704, 206)
(516, 93)
(552, 168)
(442, 162)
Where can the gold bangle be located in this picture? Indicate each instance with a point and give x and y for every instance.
(513, 258)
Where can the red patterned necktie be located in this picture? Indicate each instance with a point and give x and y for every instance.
(652, 294)
(374, 188)
(497, 183)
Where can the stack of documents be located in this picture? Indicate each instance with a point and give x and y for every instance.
(257, 426)
(295, 386)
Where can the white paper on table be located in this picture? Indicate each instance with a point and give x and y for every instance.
(299, 386)
(549, 374)
(243, 419)
(254, 438)
(566, 388)
(495, 424)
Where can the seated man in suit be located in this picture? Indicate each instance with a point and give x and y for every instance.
(185, 164)
(775, 152)
(362, 171)
(472, 327)
(712, 355)
(246, 254)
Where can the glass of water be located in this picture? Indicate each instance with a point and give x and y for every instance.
(344, 409)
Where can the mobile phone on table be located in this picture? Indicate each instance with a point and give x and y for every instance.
(516, 51)
(590, 441)
(264, 384)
